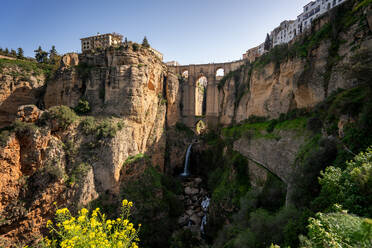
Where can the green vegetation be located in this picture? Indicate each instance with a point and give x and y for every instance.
(181, 127)
(258, 128)
(104, 128)
(136, 47)
(64, 116)
(363, 3)
(23, 127)
(145, 42)
(78, 173)
(107, 129)
(351, 187)
(84, 70)
(4, 137)
(28, 68)
(93, 230)
(155, 196)
(338, 229)
(83, 107)
(136, 158)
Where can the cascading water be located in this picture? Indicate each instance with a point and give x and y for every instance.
(204, 205)
(186, 168)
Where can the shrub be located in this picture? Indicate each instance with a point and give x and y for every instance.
(106, 129)
(135, 47)
(55, 170)
(4, 136)
(153, 198)
(350, 187)
(88, 125)
(79, 172)
(23, 127)
(64, 115)
(84, 70)
(338, 230)
(135, 158)
(83, 107)
(183, 128)
(94, 230)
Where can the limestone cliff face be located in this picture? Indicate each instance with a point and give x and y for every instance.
(296, 82)
(46, 163)
(17, 87)
(126, 84)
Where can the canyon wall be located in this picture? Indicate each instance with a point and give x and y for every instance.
(316, 64)
(55, 156)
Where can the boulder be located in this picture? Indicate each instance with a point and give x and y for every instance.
(191, 191)
(183, 220)
(70, 59)
(28, 113)
(196, 219)
(198, 180)
(189, 212)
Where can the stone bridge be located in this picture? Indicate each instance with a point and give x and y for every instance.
(191, 74)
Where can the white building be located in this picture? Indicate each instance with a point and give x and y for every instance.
(289, 29)
(100, 41)
(284, 33)
(313, 10)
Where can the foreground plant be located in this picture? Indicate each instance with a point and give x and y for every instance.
(92, 230)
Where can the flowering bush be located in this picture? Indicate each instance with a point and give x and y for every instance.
(92, 231)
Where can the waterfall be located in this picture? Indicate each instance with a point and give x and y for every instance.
(204, 205)
(186, 168)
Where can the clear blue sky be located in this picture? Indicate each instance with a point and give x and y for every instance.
(189, 31)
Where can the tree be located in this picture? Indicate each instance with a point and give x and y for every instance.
(13, 53)
(338, 229)
(145, 42)
(268, 43)
(125, 40)
(351, 187)
(20, 54)
(53, 55)
(40, 55)
(6, 51)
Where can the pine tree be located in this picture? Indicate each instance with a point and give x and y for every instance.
(268, 43)
(6, 51)
(145, 42)
(53, 55)
(13, 53)
(40, 55)
(20, 53)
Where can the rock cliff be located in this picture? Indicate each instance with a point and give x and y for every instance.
(55, 156)
(19, 85)
(299, 75)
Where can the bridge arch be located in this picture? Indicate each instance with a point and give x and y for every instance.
(185, 74)
(191, 96)
(200, 126)
(220, 72)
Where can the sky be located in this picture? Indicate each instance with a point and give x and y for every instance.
(188, 31)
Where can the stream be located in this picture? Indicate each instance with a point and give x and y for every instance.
(195, 198)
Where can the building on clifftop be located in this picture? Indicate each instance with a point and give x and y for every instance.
(100, 41)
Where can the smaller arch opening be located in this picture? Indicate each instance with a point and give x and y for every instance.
(185, 74)
(220, 73)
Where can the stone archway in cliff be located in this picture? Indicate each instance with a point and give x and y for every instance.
(220, 73)
(201, 96)
(185, 74)
(200, 127)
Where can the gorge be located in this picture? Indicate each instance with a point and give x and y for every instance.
(119, 124)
